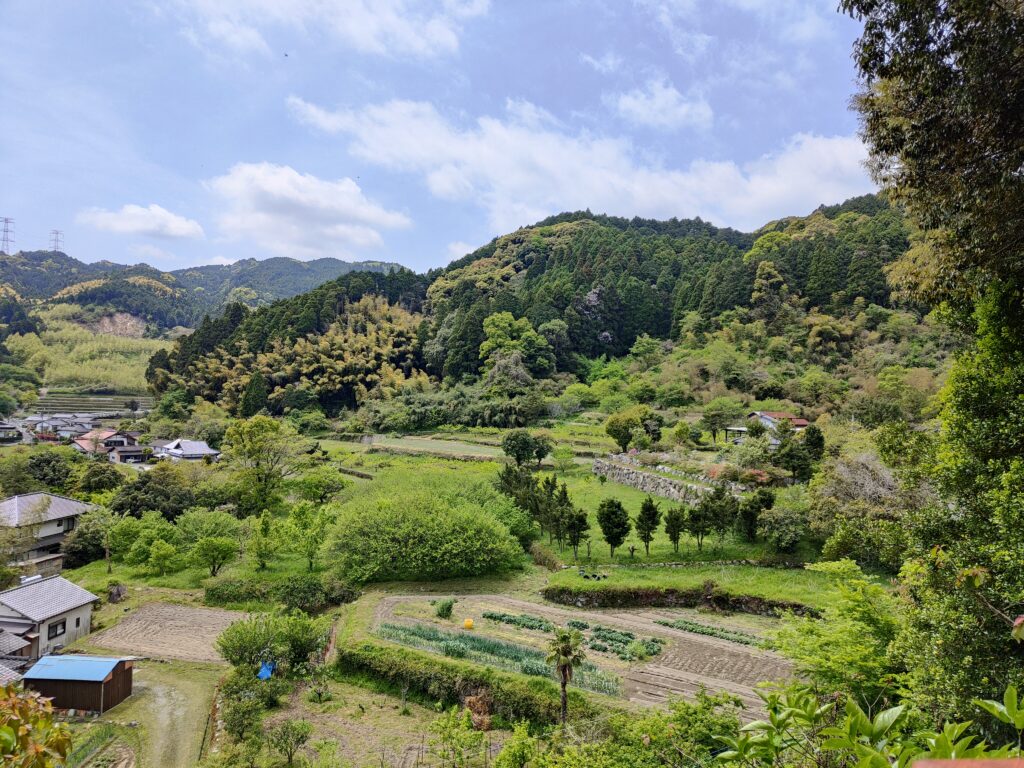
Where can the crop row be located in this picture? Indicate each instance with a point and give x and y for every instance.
(492, 652)
(687, 625)
(522, 620)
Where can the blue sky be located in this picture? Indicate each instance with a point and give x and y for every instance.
(199, 131)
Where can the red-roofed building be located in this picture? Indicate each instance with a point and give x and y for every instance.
(103, 441)
(771, 419)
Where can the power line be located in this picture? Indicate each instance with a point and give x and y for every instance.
(56, 240)
(7, 237)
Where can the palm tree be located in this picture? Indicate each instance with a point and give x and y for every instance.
(565, 652)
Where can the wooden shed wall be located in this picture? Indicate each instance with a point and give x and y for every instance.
(90, 696)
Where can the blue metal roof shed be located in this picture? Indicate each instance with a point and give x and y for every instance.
(92, 683)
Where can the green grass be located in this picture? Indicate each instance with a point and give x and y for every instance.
(792, 585)
(583, 486)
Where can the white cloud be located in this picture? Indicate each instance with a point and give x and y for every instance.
(388, 27)
(149, 251)
(520, 173)
(458, 249)
(659, 105)
(153, 220)
(297, 214)
(607, 64)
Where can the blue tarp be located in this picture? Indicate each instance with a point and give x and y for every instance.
(266, 670)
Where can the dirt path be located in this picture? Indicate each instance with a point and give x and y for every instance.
(687, 662)
(170, 703)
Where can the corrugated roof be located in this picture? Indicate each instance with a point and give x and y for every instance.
(34, 508)
(191, 447)
(92, 669)
(45, 598)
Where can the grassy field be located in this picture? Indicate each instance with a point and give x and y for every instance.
(793, 585)
(584, 488)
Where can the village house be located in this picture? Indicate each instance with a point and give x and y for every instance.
(9, 433)
(772, 419)
(100, 442)
(49, 612)
(43, 520)
(186, 450)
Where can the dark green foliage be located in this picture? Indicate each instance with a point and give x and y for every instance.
(161, 489)
(576, 524)
(750, 510)
(519, 446)
(50, 468)
(254, 397)
(675, 525)
(614, 522)
(99, 476)
(814, 442)
(647, 522)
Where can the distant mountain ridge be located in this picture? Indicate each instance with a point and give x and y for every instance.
(169, 298)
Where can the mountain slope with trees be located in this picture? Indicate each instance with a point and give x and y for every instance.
(167, 299)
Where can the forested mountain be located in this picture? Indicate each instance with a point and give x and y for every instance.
(549, 299)
(166, 299)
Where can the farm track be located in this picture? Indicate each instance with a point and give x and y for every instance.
(688, 662)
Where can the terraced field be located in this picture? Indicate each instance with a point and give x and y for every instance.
(687, 661)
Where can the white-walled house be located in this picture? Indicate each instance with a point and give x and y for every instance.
(187, 450)
(49, 612)
(44, 519)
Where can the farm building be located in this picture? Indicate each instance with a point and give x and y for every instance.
(41, 521)
(88, 683)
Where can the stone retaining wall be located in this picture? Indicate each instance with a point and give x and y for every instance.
(656, 485)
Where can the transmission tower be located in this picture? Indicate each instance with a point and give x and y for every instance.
(7, 236)
(56, 240)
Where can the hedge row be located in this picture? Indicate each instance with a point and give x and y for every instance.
(451, 682)
(709, 595)
(309, 592)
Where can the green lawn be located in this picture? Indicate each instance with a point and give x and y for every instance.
(807, 587)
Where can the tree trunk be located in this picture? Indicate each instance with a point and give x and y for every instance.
(565, 699)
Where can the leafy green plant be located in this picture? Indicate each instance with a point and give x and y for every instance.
(443, 608)
(697, 628)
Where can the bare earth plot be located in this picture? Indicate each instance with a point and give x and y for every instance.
(687, 662)
(166, 631)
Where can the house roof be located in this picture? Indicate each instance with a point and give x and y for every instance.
(7, 425)
(42, 599)
(33, 508)
(93, 669)
(11, 643)
(159, 443)
(127, 449)
(796, 421)
(191, 447)
(8, 674)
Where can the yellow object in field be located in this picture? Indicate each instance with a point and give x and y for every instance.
(468, 623)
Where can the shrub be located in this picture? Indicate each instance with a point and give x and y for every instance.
(304, 592)
(443, 609)
(449, 682)
(544, 557)
(241, 717)
(418, 534)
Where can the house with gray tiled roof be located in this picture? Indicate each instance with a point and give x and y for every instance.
(188, 450)
(48, 612)
(44, 519)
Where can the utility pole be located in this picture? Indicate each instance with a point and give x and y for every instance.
(56, 241)
(7, 235)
